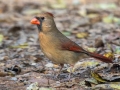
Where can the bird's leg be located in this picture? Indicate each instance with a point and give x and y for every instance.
(61, 66)
(71, 71)
(69, 74)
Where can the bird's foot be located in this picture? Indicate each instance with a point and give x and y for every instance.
(66, 77)
(60, 76)
(56, 76)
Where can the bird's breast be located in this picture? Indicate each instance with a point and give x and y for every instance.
(47, 45)
(47, 41)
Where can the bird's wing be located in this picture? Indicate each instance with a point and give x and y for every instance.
(71, 46)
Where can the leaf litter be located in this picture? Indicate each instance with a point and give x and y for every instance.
(24, 66)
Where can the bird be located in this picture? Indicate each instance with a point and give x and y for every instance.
(56, 46)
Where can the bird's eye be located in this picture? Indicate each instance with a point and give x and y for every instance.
(42, 18)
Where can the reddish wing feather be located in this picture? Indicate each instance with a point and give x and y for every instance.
(71, 46)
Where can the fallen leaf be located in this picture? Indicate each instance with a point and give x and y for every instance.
(49, 65)
(83, 12)
(116, 20)
(3, 74)
(33, 86)
(94, 18)
(115, 86)
(1, 37)
(98, 77)
(84, 64)
(43, 88)
(109, 55)
(31, 11)
(91, 80)
(82, 35)
(107, 87)
(66, 33)
(91, 49)
(106, 6)
(107, 19)
(25, 45)
(60, 5)
(13, 70)
(117, 51)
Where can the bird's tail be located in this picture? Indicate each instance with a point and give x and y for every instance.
(99, 57)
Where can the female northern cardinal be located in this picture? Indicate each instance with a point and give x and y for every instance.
(58, 47)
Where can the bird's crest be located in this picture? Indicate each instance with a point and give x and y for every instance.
(50, 14)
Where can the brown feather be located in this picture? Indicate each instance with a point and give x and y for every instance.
(99, 57)
(71, 46)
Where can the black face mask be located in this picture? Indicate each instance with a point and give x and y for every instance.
(41, 21)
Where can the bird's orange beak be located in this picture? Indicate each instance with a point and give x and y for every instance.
(35, 21)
